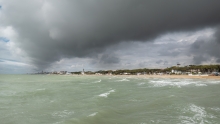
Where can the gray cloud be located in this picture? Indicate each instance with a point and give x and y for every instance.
(206, 48)
(109, 59)
(164, 62)
(198, 59)
(159, 61)
(217, 34)
(51, 30)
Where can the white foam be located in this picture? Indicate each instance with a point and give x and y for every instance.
(162, 83)
(106, 94)
(176, 82)
(62, 114)
(216, 109)
(58, 122)
(142, 83)
(124, 79)
(93, 114)
(214, 82)
(201, 85)
(97, 81)
(199, 115)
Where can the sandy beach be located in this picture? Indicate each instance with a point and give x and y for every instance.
(171, 76)
(158, 76)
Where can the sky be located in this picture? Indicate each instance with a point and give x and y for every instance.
(69, 35)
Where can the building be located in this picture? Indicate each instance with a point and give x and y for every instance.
(83, 72)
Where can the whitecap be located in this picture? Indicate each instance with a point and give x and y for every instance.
(106, 94)
(93, 114)
(196, 115)
(214, 82)
(142, 83)
(216, 109)
(97, 81)
(162, 83)
(123, 79)
(60, 122)
(201, 85)
(176, 82)
(62, 114)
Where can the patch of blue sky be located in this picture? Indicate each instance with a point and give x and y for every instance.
(1, 59)
(4, 39)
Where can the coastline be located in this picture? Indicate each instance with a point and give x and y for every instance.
(171, 76)
(156, 76)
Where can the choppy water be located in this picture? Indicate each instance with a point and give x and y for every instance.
(45, 99)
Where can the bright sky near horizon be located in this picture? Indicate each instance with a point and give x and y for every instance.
(97, 35)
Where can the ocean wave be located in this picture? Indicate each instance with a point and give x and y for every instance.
(195, 115)
(178, 83)
(142, 83)
(123, 80)
(201, 85)
(162, 83)
(93, 114)
(60, 122)
(62, 114)
(8, 93)
(135, 100)
(214, 82)
(106, 94)
(216, 109)
(97, 81)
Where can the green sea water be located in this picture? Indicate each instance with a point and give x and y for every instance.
(53, 99)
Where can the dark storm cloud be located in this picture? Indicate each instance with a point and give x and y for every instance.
(109, 59)
(198, 59)
(205, 48)
(217, 34)
(51, 30)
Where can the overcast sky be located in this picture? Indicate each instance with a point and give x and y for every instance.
(56, 35)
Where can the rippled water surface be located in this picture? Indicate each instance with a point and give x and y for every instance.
(47, 99)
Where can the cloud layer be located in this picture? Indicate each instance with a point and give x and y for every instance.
(51, 30)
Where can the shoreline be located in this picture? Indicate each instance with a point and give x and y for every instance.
(160, 76)
(155, 76)
(171, 76)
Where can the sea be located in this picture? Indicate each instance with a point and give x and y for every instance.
(63, 99)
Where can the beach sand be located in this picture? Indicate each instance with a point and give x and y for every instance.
(171, 76)
(159, 76)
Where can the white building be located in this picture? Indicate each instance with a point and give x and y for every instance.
(83, 72)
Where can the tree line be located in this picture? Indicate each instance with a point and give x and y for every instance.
(189, 68)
